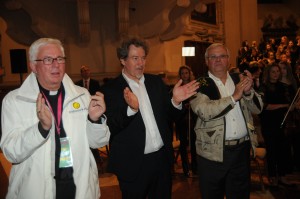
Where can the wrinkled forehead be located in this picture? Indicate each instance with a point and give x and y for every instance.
(50, 50)
(217, 50)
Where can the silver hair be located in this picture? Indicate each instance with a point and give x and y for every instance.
(214, 45)
(35, 46)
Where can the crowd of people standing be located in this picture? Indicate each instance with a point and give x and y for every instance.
(50, 124)
(275, 69)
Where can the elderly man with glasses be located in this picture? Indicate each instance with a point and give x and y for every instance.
(224, 127)
(48, 126)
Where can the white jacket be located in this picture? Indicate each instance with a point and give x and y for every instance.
(32, 156)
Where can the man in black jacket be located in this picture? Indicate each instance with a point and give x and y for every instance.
(92, 86)
(139, 108)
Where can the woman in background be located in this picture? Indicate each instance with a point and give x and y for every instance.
(276, 102)
(185, 127)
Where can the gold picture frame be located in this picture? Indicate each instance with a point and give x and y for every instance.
(209, 19)
(207, 22)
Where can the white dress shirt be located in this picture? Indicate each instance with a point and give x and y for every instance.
(153, 139)
(235, 122)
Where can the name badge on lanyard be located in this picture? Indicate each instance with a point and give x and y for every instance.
(66, 159)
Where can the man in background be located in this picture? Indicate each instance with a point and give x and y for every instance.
(92, 86)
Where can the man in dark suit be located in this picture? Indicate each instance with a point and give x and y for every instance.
(92, 86)
(138, 111)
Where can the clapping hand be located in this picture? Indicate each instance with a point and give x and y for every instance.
(97, 106)
(131, 99)
(183, 92)
(43, 112)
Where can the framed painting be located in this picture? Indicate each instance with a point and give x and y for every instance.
(206, 14)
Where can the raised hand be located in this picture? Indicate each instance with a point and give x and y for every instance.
(131, 99)
(183, 92)
(246, 81)
(43, 112)
(97, 106)
(244, 86)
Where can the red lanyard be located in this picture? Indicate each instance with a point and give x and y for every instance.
(59, 111)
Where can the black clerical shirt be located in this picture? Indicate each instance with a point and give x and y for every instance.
(64, 175)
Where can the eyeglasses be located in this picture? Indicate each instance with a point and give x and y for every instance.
(50, 60)
(214, 57)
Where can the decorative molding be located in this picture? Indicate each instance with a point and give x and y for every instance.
(212, 31)
(178, 20)
(83, 12)
(280, 23)
(123, 17)
(275, 27)
(183, 3)
(13, 5)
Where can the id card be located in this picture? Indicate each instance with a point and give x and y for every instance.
(65, 159)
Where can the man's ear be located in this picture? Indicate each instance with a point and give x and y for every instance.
(32, 67)
(122, 61)
(206, 61)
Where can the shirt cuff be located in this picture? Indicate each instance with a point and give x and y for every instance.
(234, 102)
(101, 120)
(130, 111)
(179, 106)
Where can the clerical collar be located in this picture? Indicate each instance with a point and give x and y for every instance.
(50, 93)
(53, 92)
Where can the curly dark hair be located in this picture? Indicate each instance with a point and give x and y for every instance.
(122, 51)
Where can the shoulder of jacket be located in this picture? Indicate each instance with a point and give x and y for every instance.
(152, 76)
(235, 77)
(208, 87)
(205, 83)
(118, 82)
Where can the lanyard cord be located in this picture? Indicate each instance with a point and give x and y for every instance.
(59, 111)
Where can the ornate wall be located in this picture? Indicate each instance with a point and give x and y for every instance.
(91, 29)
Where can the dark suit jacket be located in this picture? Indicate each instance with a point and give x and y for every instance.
(128, 134)
(93, 87)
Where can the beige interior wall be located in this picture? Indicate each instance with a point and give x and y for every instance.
(6, 44)
(232, 21)
(165, 56)
(248, 20)
(240, 24)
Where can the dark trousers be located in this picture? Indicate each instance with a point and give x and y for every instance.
(277, 152)
(153, 180)
(184, 142)
(182, 128)
(65, 189)
(230, 177)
